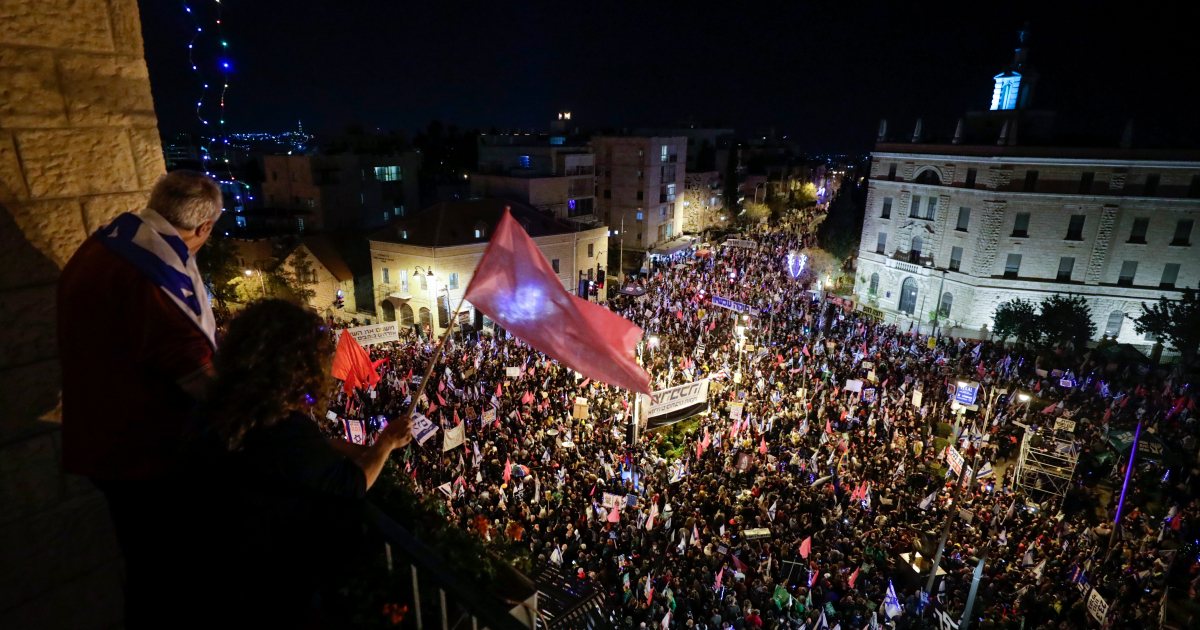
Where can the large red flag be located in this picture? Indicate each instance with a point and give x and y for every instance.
(515, 286)
(352, 365)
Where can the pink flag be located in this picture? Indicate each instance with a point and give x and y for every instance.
(499, 392)
(1050, 409)
(806, 547)
(517, 287)
(507, 470)
(762, 448)
(720, 574)
(527, 398)
(614, 516)
(706, 441)
(853, 578)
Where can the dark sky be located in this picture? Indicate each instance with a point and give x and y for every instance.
(823, 72)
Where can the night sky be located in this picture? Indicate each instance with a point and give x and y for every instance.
(823, 73)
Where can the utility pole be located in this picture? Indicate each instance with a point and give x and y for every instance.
(622, 263)
(966, 615)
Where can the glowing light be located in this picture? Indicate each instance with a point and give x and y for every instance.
(796, 263)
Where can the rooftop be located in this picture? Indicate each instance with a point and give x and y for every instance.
(449, 224)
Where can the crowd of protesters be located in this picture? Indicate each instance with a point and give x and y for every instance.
(829, 439)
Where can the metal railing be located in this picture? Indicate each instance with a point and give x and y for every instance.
(441, 599)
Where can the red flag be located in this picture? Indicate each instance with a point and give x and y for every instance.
(376, 364)
(499, 391)
(527, 398)
(517, 287)
(442, 387)
(706, 441)
(352, 365)
(712, 325)
(853, 577)
(507, 470)
(762, 448)
(806, 352)
(806, 547)
(739, 565)
(1050, 409)
(441, 401)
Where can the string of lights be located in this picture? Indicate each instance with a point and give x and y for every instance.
(211, 136)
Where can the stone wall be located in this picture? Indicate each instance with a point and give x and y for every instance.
(78, 144)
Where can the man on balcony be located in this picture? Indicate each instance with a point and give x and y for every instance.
(135, 337)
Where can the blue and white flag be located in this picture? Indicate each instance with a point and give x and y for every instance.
(152, 245)
(891, 605)
(1003, 538)
(925, 503)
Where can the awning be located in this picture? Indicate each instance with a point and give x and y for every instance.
(397, 298)
(633, 290)
(671, 247)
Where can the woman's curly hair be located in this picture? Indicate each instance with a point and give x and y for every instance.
(274, 359)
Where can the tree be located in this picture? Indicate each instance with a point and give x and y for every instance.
(841, 230)
(1175, 322)
(299, 277)
(804, 196)
(1066, 320)
(1016, 318)
(218, 265)
(753, 213)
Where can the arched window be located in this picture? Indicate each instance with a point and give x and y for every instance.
(424, 314)
(1113, 328)
(480, 230)
(947, 303)
(914, 252)
(406, 315)
(424, 283)
(929, 176)
(908, 296)
(389, 311)
(874, 283)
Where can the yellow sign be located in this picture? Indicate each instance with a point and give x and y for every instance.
(932, 342)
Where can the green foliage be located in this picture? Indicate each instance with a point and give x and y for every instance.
(1017, 318)
(1066, 320)
(1176, 322)
(218, 265)
(943, 429)
(674, 438)
(753, 212)
(298, 276)
(804, 196)
(840, 232)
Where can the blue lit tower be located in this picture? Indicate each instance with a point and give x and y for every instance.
(1014, 86)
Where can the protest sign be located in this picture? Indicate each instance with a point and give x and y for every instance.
(454, 437)
(375, 333)
(512, 372)
(423, 428)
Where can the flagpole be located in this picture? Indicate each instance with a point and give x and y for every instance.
(437, 353)
(1125, 486)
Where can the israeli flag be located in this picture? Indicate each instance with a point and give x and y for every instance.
(927, 501)
(891, 605)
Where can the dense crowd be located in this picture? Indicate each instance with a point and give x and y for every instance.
(829, 429)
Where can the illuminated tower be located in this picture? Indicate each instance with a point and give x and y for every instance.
(1014, 86)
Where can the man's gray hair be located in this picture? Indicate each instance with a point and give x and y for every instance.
(186, 199)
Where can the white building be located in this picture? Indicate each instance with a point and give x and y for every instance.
(962, 226)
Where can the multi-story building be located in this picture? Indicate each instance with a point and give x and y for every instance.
(343, 191)
(566, 198)
(953, 229)
(422, 264)
(640, 183)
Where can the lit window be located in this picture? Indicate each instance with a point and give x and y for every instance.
(404, 280)
(523, 161)
(404, 234)
(387, 173)
(241, 222)
(453, 281)
(300, 223)
(639, 216)
(311, 202)
(385, 215)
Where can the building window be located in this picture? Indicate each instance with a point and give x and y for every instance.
(908, 296)
(424, 282)
(664, 153)
(523, 160)
(404, 283)
(956, 258)
(554, 263)
(423, 314)
(639, 175)
(945, 306)
(964, 218)
(914, 252)
(453, 283)
(480, 229)
(1075, 230)
(971, 175)
(641, 195)
(1012, 266)
(274, 176)
(590, 248)
(1183, 232)
(914, 208)
(1138, 234)
(406, 315)
(931, 208)
(929, 176)
(399, 211)
(639, 216)
(1021, 225)
(882, 243)
(1170, 275)
(387, 173)
(1128, 271)
(887, 208)
(300, 223)
(1151, 187)
(1085, 183)
(386, 278)
(404, 234)
(607, 194)
(1194, 188)
(1113, 327)
(639, 236)
(874, 283)
(1066, 265)
(892, 172)
(1030, 181)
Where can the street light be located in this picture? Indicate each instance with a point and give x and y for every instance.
(260, 281)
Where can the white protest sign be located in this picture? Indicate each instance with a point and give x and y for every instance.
(512, 372)
(611, 501)
(454, 437)
(916, 398)
(955, 460)
(735, 412)
(1064, 425)
(489, 416)
(375, 333)
(853, 385)
(1097, 606)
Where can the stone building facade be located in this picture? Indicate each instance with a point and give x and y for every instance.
(640, 179)
(79, 144)
(962, 228)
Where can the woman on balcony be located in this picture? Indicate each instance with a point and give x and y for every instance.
(275, 502)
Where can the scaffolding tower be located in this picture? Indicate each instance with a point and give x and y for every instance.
(1046, 464)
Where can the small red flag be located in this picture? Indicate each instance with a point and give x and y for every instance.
(806, 547)
(516, 286)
